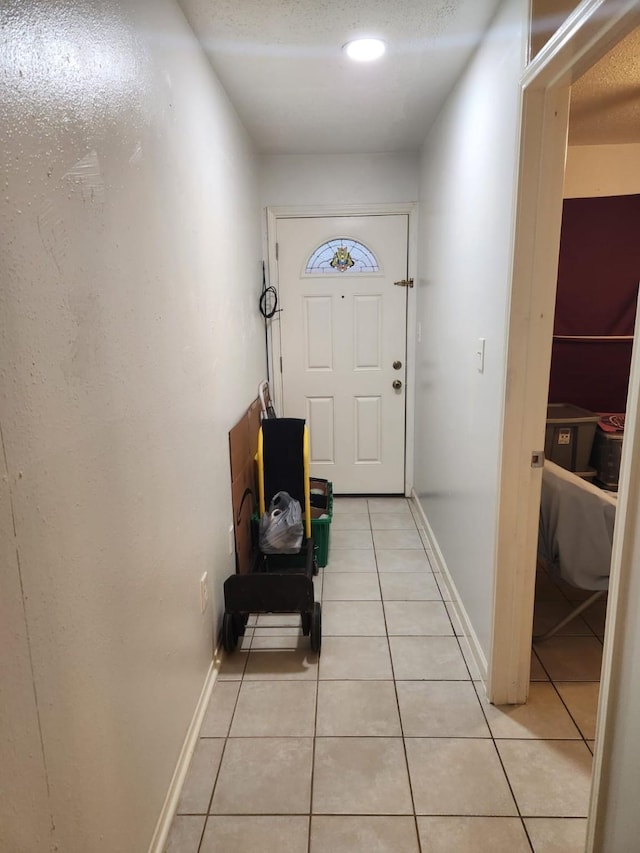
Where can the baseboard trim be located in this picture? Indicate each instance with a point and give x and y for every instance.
(470, 635)
(167, 813)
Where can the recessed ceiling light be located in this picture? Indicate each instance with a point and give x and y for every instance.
(365, 50)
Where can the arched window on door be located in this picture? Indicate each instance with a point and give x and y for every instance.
(341, 255)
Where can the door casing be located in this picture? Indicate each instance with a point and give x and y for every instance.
(295, 212)
(587, 35)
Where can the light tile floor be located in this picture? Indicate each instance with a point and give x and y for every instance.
(385, 742)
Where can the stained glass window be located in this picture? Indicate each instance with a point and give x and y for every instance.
(340, 255)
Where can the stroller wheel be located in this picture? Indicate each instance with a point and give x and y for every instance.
(229, 635)
(240, 622)
(316, 627)
(306, 619)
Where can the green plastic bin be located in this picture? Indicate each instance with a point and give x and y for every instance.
(321, 527)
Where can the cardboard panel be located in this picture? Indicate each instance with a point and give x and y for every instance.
(243, 444)
(243, 496)
(239, 446)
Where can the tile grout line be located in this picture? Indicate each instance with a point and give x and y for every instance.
(402, 738)
(395, 690)
(495, 746)
(568, 710)
(217, 773)
(315, 726)
(504, 769)
(585, 740)
(409, 737)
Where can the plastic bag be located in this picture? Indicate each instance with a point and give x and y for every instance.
(281, 528)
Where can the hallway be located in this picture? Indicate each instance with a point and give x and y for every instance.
(140, 188)
(385, 743)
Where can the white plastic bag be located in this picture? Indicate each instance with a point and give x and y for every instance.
(281, 528)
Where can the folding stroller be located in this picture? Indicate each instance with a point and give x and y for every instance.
(278, 583)
(321, 490)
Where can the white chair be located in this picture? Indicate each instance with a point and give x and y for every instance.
(575, 535)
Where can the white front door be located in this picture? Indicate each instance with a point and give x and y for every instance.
(343, 339)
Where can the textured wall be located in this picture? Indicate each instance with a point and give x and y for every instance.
(129, 342)
(24, 807)
(465, 250)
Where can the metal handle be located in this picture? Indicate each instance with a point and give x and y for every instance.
(397, 365)
(397, 384)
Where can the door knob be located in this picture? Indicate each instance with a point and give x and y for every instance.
(397, 384)
(397, 365)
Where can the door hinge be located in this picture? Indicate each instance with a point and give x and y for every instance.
(280, 364)
(537, 459)
(277, 250)
(405, 282)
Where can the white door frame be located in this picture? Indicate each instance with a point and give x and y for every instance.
(591, 31)
(410, 209)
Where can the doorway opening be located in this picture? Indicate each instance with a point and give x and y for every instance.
(587, 35)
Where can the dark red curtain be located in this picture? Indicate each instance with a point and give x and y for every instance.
(598, 276)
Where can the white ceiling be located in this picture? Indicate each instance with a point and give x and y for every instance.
(282, 65)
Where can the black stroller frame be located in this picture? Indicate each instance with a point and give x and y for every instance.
(277, 583)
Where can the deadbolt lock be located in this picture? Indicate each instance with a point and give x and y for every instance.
(397, 384)
(397, 365)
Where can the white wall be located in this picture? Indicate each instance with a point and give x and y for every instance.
(602, 170)
(130, 343)
(615, 824)
(336, 179)
(465, 250)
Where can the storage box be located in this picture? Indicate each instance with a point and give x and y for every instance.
(569, 435)
(605, 457)
(319, 492)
